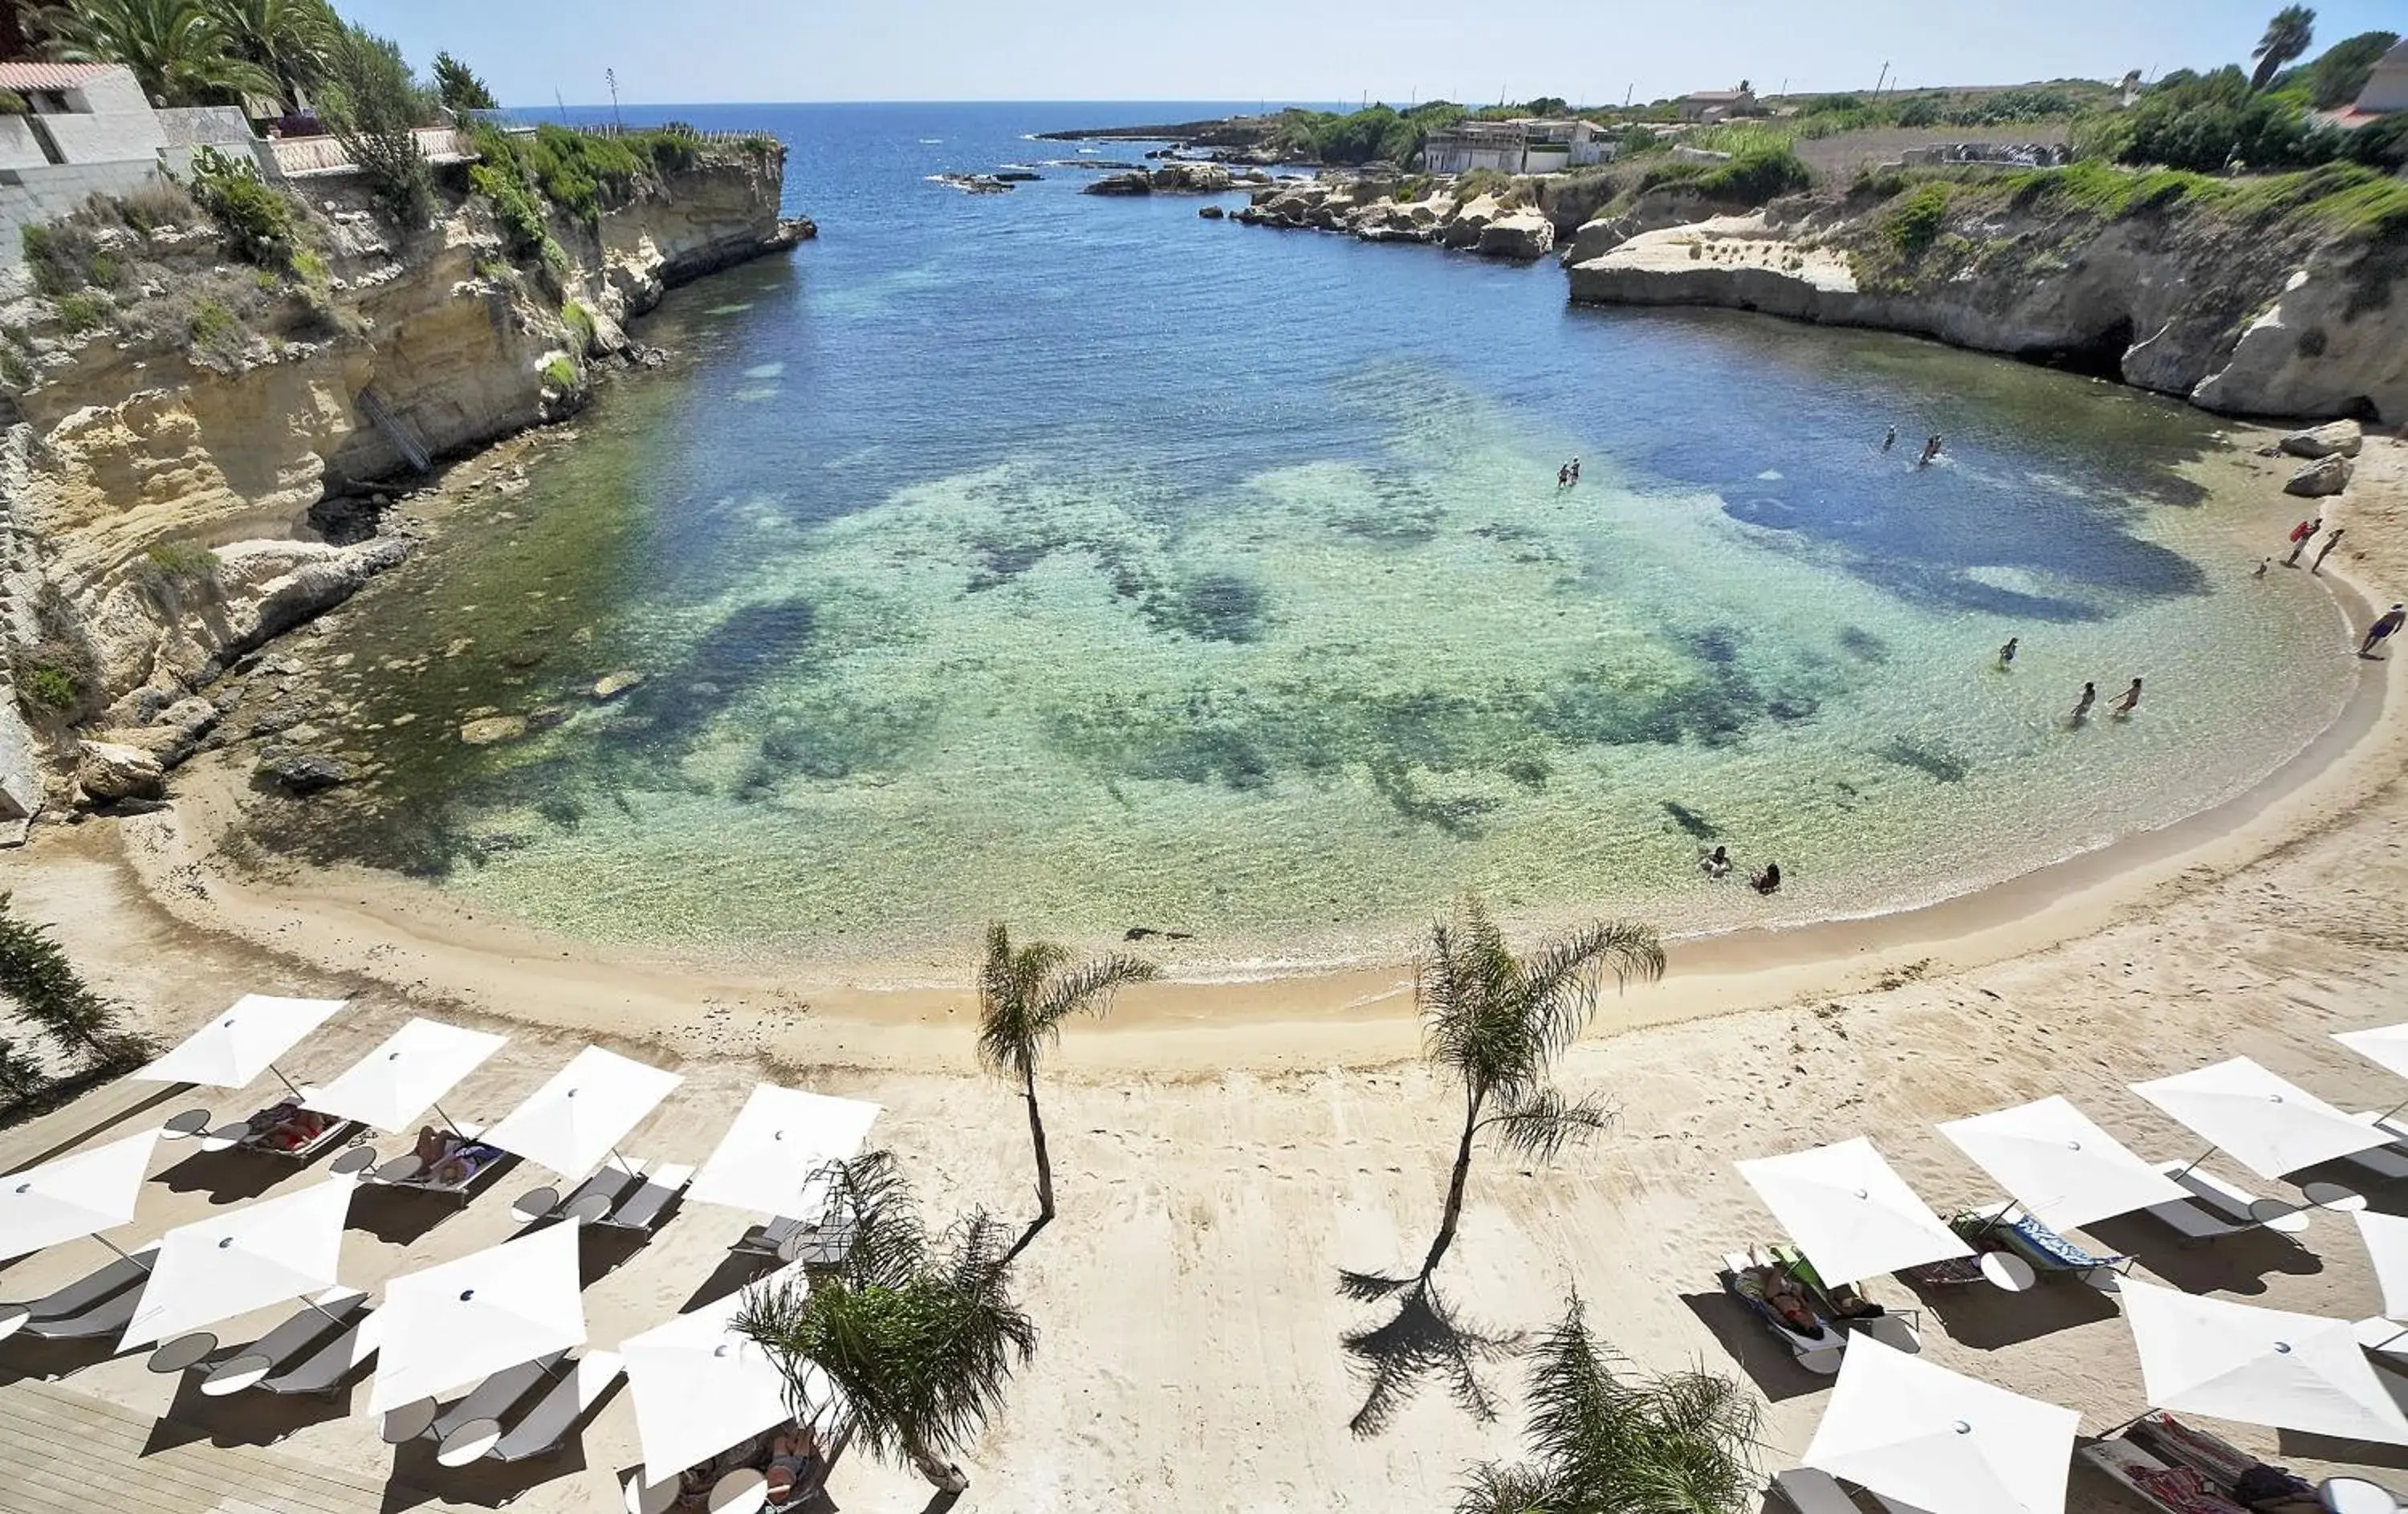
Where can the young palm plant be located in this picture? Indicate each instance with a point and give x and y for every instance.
(1024, 994)
(37, 974)
(1495, 1024)
(1604, 1440)
(2288, 37)
(177, 50)
(918, 1329)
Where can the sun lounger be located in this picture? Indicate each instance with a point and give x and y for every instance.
(90, 1288)
(253, 1135)
(493, 1398)
(2385, 1340)
(643, 1210)
(609, 1183)
(560, 1409)
(2050, 1255)
(2169, 1489)
(2216, 1208)
(105, 1318)
(764, 1240)
(335, 1310)
(807, 1492)
(1890, 1327)
(1810, 1492)
(2389, 1162)
(487, 1163)
(327, 1368)
(1818, 1352)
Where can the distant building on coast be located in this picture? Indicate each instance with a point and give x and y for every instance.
(1531, 146)
(1717, 105)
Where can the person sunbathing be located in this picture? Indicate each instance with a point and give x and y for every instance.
(1777, 1291)
(287, 1127)
(447, 1160)
(796, 1466)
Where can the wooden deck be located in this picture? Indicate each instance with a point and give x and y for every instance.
(68, 1454)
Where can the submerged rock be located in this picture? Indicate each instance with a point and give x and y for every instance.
(2325, 475)
(611, 686)
(305, 772)
(494, 729)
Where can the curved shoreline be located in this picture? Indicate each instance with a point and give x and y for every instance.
(356, 924)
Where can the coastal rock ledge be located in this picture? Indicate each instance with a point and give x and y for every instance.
(2225, 316)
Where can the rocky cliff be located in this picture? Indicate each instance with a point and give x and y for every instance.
(2263, 312)
(163, 442)
(1511, 220)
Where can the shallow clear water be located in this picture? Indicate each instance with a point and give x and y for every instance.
(1081, 562)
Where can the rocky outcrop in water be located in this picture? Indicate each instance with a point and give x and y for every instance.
(159, 448)
(1509, 227)
(2306, 317)
(1172, 179)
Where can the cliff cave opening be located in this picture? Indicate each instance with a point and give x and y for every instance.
(2101, 355)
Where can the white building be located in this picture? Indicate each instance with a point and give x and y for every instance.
(83, 113)
(1717, 105)
(2386, 88)
(1529, 146)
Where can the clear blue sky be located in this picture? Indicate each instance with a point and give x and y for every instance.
(678, 51)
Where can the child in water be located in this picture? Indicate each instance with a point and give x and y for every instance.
(2082, 707)
(2007, 653)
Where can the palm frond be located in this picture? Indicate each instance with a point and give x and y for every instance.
(1089, 987)
(1495, 1488)
(1371, 1287)
(1540, 1124)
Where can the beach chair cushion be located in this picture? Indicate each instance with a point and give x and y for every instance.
(323, 1369)
(334, 1310)
(91, 1288)
(1810, 1492)
(764, 1240)
(558, 1409)
(497, 1396)
(106, 1318)
(644, 1208)
(612, 1180)
(2048, 1252)
(2175, 1490)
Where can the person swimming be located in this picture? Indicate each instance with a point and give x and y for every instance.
(2130, 702)
(1769, 881)
(2007, 653)
(1715, 863)
(1889, 439)
(2082, 707)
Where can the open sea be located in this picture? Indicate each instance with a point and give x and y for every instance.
(1079, 562)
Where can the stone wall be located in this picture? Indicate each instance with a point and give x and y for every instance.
(114, 137)
(33, 196)
(19, 147)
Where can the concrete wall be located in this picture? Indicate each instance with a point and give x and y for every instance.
(1505, 157)
(32, 196)
(2387, 90)
(110, 139)
(111, 93)
(208, 126)
(19, 147)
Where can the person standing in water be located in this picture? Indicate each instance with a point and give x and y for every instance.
(2326, 551)
(2385, 623)
(1575, 472)
(1769, 881)
(1564, 476)
(2130, 702)
(1889, 439)
(1930, 452)
(2082, 706)
(2300, 535)
(2007, 653)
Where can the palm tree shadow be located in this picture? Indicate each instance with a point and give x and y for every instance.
(1424, 1338)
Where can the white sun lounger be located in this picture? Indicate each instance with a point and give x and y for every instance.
(334, 1311)
(402, 1169)
(643, 1210)
(326, 1370)
(1810, 1492)
(1819, 1356)
(494, 1397)
(2216, 1208)
(88, 1310)
(242, 1138)
(560, 1409)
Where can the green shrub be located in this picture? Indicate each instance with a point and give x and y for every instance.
(517, 212)
(64, 256)
(1756, 178)
(581, 322)
(561, 374)
(187, 561)
(16, 371)
(85, 311)
(1913, 223)
(49, 688)
(217, 335)
(256, 220)
(1479, 182)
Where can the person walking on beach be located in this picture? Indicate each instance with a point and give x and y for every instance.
(2082, 706)
(2130, 702)
(2300, 534)
(2007, 653)
(2326, 551)
(2385, 623)
(1889, 439)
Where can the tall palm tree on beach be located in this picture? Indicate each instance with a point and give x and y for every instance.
(2288, 37)
(177, 50)
(1602, 1439)
(1494, 1024)
(1024, 994)
(285, 39)
(918, 1330)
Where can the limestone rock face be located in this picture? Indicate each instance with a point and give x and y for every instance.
(108, 772)
(2342, 438)
(1525, 235)
(2325, 476)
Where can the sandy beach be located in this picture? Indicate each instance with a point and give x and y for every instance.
(1224, 1148)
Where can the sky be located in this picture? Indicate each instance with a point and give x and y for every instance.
(1592, 52)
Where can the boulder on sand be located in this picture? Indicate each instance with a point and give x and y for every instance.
(2325, 475)
(2342, 439)
(108, 772)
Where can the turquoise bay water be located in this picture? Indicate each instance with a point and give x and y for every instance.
(1079, 562)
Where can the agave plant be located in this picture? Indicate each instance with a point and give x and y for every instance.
(1605, 1440)
(918, 1329)
(178, 50)
(1024, 994)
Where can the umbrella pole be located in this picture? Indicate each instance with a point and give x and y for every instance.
(449, 1123)
(2387, 1341)
(2186, 1172)
(121, 1251)
(2393, 1110)
(286, 1081)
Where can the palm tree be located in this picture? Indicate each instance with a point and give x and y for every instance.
(35, 972)
(1602, 1440)
(1024, 997)
(285, 39)
(1496, 1023)
(918, 1331)
(178, 52)
(2288, 37)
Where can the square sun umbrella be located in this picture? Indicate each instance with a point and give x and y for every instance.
(73, 1197)
(1851, 1216)
(2058, 1164)
(700, 1387)
(770, 1156)
(246, 1259)
(244, 1042)
(1944, 1443)
(2386, 1047)
(500, 1307)
(2259, 1366)
(2270, 1126)
(573, 1121)
(2386, 1243)
(402, 1079)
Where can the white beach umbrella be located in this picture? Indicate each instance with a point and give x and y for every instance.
(2060, 1164)
(398, 1082)
(781, 1139)
(2259, 1366)
(2386, 1047)
(1851, 1216)
(500, 1307)
(246, 1259)
(573, 1121)
(1942, 1442)
(74, 1196)
(2270, 1126)
(244, 1042)
(2386, 1243)
(700, 1387)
